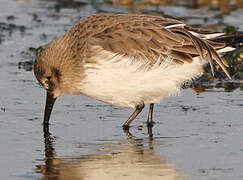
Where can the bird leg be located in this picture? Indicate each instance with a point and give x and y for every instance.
(150, 116)
(150, 132)
(150, 120)
(127, 132)
(139, 108)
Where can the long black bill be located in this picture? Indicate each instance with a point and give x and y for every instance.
(50, 100)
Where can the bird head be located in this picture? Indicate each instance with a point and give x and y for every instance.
(59, 71)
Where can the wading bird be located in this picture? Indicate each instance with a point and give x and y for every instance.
(126, 60)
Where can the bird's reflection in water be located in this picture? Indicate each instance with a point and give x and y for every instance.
(128, 159)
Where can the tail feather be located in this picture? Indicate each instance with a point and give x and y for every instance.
(210, 46)
(230, 40)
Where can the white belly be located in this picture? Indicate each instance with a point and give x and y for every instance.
(127, 83)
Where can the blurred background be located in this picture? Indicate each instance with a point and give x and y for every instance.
(197, 135)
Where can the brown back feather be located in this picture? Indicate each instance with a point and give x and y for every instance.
(147, 37)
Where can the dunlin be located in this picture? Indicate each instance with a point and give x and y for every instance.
(126, 60)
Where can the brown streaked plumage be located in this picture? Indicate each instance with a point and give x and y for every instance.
(126, 60)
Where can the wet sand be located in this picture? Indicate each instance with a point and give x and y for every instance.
(196, 136)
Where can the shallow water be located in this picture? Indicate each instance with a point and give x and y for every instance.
(197, 134)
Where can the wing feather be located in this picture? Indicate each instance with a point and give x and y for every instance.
(151, 37)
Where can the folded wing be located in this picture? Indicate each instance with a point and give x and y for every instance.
(148, 38)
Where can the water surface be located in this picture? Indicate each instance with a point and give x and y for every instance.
(197, 134)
